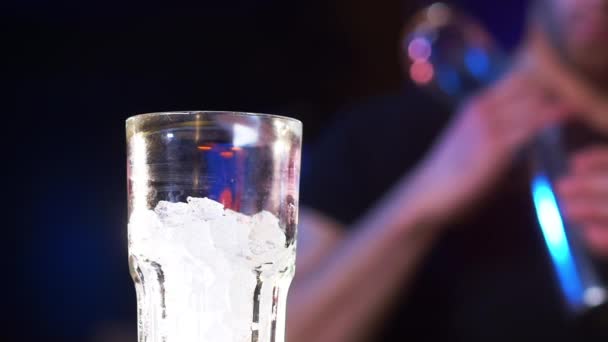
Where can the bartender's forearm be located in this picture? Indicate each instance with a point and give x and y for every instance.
(344, 298)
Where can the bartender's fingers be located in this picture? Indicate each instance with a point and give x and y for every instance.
(581, 186)
(519, 106)
(540, 116)
(596, 238)
(591, 159)
(585, 209)
(520, 112)
(514, 87)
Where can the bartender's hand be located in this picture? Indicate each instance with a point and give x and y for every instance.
(584, 196)
(480, 144)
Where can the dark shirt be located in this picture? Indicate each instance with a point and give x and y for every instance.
(489, 277)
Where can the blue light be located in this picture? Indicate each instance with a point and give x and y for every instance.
(477, 62)
(552, 227)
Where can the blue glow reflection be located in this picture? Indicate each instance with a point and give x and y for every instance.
(477, 62)
(552, 227)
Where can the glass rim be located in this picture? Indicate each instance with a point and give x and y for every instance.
(222, 112)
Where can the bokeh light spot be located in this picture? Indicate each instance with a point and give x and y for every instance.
(438, 14)
(477, 62)
(422, 72)
(419, 49)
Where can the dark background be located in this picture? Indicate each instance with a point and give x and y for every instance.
(75, 70)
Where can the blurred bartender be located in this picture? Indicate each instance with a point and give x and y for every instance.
(419, 228)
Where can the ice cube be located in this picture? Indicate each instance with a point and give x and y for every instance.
(173, 214)
(205, 209)
(195, 237)
(266, 234)
(210, 256)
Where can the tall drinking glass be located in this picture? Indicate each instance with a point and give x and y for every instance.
(213, 207)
